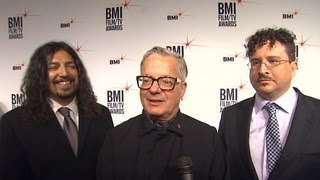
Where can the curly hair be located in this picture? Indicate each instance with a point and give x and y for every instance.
(271, 35)
(35, 85)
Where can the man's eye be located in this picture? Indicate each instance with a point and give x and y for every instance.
(52, 66)
(146, 80)
(255, 62)
(167, 81)
(72, 65)
(273, 61)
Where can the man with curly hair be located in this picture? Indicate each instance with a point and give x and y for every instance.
(275, 134)
(34, 141)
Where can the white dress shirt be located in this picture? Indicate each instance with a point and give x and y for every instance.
(74, 114)
(259, 119)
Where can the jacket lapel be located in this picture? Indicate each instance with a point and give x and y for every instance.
(300, 128)
(56, 132)
(243, 127)
(84, 124)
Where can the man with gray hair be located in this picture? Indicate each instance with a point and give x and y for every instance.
(147, 146)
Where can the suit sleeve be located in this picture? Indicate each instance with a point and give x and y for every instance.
(105, 161)
(108, 117)
(218, 164)
(13, 163)
(221, 130)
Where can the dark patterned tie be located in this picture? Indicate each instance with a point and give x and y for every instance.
(272, 136)
(70, 129)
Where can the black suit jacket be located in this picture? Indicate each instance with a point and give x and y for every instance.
(135, 150)
(43, 152)
(300, 159)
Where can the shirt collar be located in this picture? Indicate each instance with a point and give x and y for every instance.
(287, 101)
(72, 106)
(147, 125)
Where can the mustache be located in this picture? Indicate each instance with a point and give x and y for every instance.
(63, 79)
(264, 77)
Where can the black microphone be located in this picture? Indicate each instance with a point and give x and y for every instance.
(184, 164)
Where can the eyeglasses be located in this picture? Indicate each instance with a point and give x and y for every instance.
(165, 83)
(270, 63)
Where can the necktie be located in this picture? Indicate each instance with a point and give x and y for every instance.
(70, 129)
(272, 136)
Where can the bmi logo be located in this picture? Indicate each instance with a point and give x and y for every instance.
(176, 16)
(115, 102)
(15, 27)
(18, 67)
(231, 58)
(114, 61)
(172, 17)
(228, 59)
(114, 19)
(228, 96)
(227, 14)
(16, 100)
(291, 15)
(176, 49)
(118, 60)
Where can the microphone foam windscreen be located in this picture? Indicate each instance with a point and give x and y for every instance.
(183, 162)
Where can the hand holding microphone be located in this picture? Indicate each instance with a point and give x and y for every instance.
(184, 164)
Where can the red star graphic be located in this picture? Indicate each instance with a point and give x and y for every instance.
(236, 55)
(242, 86)
(296, 12)
(79, 49)
(240, 2)
(181, 13)
(126, 4)
(22, 64)
(127, 87)
(303, 43)
(122, 57)
(188, 42)
(26, 14)
(72, 20)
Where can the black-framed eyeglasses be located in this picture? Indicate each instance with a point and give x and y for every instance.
(270, 63)
(165, 82)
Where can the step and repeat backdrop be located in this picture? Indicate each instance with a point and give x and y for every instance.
(111, 37)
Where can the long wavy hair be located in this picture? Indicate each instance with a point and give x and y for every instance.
(35, 85)
(262, 36)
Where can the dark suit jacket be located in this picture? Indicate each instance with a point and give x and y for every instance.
(300, 159)
(135, 150)
(43, 152)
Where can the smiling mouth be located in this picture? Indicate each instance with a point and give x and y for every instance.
(64, 82)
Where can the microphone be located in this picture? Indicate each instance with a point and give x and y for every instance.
(184, 164)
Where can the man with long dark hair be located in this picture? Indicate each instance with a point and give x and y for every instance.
(60, 127)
